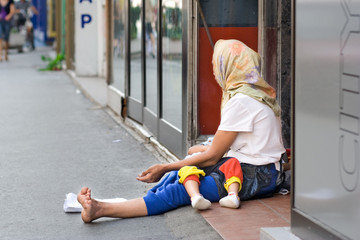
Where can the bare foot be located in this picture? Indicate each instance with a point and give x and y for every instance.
(90, 206)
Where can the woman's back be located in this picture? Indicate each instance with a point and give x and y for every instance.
(259, 140)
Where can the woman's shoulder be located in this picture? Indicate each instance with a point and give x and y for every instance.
(246, 101)
(249, 104)
(242, 97)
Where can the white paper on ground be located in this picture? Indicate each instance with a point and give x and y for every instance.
(71, 203)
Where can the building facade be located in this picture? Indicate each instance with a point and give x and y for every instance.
(156, 57)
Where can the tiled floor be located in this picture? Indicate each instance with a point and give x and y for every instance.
(246, 222)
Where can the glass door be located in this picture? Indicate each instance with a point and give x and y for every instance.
(172, 112)
(118, 79)
(136, 86)
(156, 84)
(151, 109)
(225, 19)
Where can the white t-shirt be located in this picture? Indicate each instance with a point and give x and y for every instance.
(259, 141)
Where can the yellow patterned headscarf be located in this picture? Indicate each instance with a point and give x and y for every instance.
(237, 70)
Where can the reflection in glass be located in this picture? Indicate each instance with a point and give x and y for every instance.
(271, 42)
(171, 62)
(151, 32)
(119, 45)
(135, 49)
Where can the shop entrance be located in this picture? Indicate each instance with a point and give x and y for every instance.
(156, 74)
(221, 20)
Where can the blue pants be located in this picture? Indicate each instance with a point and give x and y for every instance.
(169, 194)
(5, 30)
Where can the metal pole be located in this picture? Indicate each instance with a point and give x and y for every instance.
(205, 24)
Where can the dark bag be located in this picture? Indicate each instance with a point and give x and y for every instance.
(259, 181)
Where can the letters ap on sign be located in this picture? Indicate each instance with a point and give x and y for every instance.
(85, 18)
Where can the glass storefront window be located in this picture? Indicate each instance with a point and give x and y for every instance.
(172, 62)
(135, 49)
(119, 45)
(151, 33)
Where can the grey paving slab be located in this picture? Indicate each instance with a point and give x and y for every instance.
(53, 141)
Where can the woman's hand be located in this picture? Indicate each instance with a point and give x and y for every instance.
(152, 174)
(211, 155)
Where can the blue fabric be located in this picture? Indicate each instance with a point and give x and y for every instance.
(5, 30)
(259, 181)
(169, 194)
(269, 189)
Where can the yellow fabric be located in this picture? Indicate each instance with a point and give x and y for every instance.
(232, 180)
(237, 70)
(186, 171)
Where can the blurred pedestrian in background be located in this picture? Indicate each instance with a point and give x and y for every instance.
(7, 10)
(25, 10)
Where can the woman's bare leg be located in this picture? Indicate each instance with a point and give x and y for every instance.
(1, 47)
(93, 209)
(6, 46)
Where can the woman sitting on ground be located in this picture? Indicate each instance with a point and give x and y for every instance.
(249, 132)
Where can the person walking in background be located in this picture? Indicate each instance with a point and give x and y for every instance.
(25, 11)
(149, 23)
(7, 10)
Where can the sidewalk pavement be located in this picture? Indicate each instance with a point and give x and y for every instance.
(53, 141)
